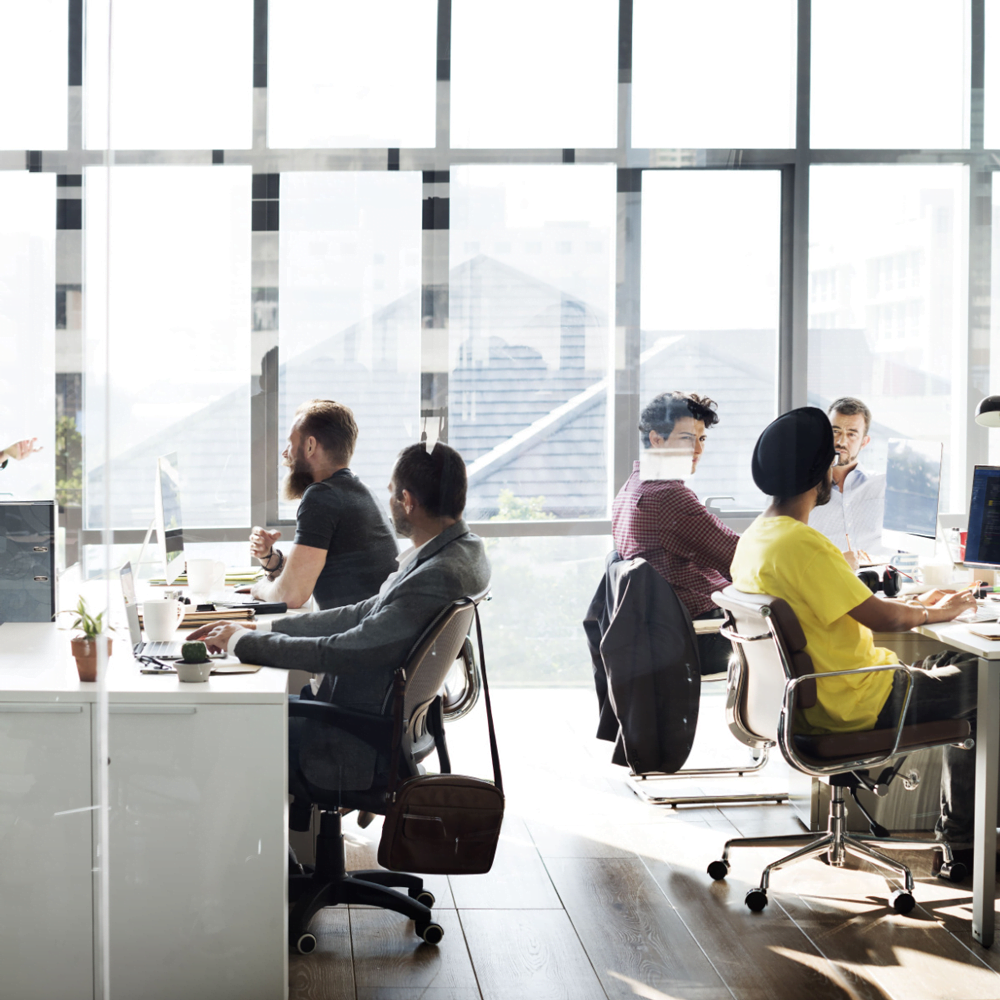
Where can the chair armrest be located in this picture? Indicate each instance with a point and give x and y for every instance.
(788, 715)
(375, 730)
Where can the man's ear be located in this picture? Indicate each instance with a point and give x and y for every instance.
(864, 444)
(656, 440)
(309, 448)
(408, 501)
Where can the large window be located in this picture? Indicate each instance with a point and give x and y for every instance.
(886, 306)
(349, 307)
(710, 297)
(530, 333)
(166, 296)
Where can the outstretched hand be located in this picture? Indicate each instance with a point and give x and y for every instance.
(22, 449)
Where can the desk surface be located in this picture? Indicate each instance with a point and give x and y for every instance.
(36, 664)
(958, 636)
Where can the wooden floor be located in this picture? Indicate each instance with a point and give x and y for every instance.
(596, 895)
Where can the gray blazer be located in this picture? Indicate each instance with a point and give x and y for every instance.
(358, 647)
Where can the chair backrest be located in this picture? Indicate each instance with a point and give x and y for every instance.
(431, 659)
(770, 646)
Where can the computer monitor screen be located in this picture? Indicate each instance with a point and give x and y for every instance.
(912, 486)
(169, 533)
(982, 546)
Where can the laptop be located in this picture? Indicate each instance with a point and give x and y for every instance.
(161, 650)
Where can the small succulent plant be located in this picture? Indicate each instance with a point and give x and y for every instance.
(194, 652)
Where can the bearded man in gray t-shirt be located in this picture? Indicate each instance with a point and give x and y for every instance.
(344, 544)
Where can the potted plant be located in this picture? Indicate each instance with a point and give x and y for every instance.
(85, 646)
(194, 665)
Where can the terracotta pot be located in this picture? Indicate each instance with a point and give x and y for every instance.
(85, 654)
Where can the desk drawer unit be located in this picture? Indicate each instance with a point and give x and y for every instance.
(197, 855)
(46, 899)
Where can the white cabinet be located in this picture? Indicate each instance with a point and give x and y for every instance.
(46, 896)
(197, 854)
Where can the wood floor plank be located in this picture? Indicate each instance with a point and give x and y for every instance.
(406, 993)
(328, 971)
(517, 881)
(844, 913)
(388, 954)
(759, 956)
(529, 955)
(634, 938)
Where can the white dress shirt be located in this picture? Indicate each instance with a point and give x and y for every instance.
(853, 518)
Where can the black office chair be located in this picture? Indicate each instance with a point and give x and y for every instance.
(774, 676)
(328, 883)
(662, 643)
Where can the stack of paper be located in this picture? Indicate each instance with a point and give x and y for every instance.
(192, 618)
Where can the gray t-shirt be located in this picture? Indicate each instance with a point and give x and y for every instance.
(342, 515)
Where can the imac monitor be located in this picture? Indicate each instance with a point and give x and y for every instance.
(912, 485)
(167, 502)
(982, 547)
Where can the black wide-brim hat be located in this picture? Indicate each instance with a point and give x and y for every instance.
(793, 452)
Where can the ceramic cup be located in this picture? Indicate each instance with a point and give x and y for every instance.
(193, 672)
(160, 619)
(206, 576)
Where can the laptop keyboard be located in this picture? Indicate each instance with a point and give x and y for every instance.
(988, 613)
(161, 649)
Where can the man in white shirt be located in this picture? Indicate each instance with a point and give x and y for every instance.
(852, 520)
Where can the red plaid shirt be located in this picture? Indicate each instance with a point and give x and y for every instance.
(667, 525)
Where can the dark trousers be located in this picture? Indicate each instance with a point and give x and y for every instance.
(714, 651)
(944, 688)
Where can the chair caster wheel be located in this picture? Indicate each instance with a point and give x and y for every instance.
(306, 944)
(424, 896)
(718, 869)
(756, 899)
(430, 932)
(901, 901)
(955, 872)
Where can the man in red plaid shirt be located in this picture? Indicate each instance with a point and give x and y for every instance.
(667, 525)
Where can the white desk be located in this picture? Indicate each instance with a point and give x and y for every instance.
(196, 852)
(987, 766)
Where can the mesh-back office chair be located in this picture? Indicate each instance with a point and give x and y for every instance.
(774, 676)
(329, 884)
(658, 633)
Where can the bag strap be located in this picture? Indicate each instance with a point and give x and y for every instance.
(497, 780)
(398, 691)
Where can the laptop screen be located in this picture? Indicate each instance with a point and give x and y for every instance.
(131, 607)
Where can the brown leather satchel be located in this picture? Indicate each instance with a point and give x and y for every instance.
(441, 824)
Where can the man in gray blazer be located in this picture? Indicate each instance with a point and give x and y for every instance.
(357, 648)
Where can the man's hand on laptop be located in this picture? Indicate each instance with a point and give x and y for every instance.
(216, 635)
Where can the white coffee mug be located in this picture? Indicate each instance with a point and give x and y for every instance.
(206, 576)
(160, 619)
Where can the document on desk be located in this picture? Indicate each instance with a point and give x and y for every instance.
(986, 632)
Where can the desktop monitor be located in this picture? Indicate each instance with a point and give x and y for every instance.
(912, 486)
(982, 546)
(167, 503)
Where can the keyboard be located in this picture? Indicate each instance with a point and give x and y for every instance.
(986, 613)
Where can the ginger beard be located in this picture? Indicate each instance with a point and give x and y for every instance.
(299, 477)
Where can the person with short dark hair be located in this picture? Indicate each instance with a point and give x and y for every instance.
(782, 555)
(852, 520)
(357, 648)
(667, 525)
(344, 545)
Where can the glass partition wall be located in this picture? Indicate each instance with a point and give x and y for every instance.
(506, 226)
